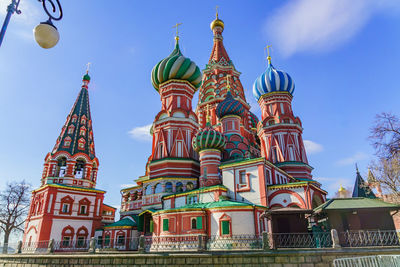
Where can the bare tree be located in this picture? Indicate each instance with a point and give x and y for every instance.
(386, 172)
(14, 204)
(385, 135)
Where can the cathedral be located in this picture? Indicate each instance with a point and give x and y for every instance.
(217, 170)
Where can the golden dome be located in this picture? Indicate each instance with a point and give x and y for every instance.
(341, 189)
(217, 22)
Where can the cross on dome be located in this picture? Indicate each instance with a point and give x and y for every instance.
(177, 30)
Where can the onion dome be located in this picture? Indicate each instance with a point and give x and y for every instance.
(178, 67)
(86, 77)
(229, 106)
(217, 23)
(253, 120)
(208, 138)
(272, 80)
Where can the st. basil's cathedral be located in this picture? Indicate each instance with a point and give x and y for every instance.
(215, 171)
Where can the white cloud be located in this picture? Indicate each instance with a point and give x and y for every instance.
(312, 147)
(315, 25)
(356, 157)
(141, 133)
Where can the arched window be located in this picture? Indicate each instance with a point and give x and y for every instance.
(168, 187)
(67, 235)
(189, 186)
(83, 119)
(82, 131)
(149, 190)
(81, 143)
(194, 223)
(81, 237)
(79, 168)
(74, 118)
(158, 188)
(61, 167)
(67, 141)
(179, 187)
(71, 129)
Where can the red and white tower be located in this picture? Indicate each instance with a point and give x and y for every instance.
(280, 132)
(176, 78)
(219, 77)
(67, 207)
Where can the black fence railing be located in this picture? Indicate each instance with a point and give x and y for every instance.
(369, 238)
(301, 240)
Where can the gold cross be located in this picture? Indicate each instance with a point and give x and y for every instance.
(88, 67)
(269, 56)
(216, 11)
(177, 32)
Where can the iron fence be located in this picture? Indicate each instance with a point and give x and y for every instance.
(71, 245)
(235, 242)
(35, 247)
(367, 238)
(369, 261)
(117, 243)
(301, 240)
(175, 243)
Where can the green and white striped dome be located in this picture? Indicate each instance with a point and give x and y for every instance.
(178, 67)
(208, 138)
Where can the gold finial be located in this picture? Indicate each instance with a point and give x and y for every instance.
(268, 54)
(177, 31)
(88, 67)
(341, 189)
(216, 11)
(208, 117)
(228, 86)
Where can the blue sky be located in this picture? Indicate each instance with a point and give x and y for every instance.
(343, 56)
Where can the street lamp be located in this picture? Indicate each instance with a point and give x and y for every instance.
(46, 34)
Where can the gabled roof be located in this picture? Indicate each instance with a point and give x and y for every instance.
(80, 110)
(355, 203)
(123, 223)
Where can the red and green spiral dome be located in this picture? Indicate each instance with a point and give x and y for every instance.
(208, 138)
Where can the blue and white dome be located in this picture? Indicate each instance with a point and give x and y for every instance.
(272, 80)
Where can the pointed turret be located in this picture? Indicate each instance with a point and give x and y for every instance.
(219, 76)
(361, 188)
(73, 155)
(77, 134)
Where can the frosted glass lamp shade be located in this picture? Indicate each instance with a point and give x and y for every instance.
(46, 35)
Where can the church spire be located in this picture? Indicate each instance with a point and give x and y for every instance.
(77, 134)
(361, 188)
(218, 51)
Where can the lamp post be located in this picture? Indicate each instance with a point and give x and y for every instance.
(46, 34)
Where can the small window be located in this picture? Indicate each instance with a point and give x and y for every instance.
(121, 239)
(71, 129)
(82, 131)
(242, 177)
(80, 242)
(179, 187)
(189, 186)
(74, 118)
(83, 209)
(192, 199)
(67, 142)
(165, 225)
(168, 187)
(66, 241)
(65, 208)
(194, 223)
(225, 227)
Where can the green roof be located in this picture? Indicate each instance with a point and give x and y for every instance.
(211, 205)
(123, 222)
(355, 203)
